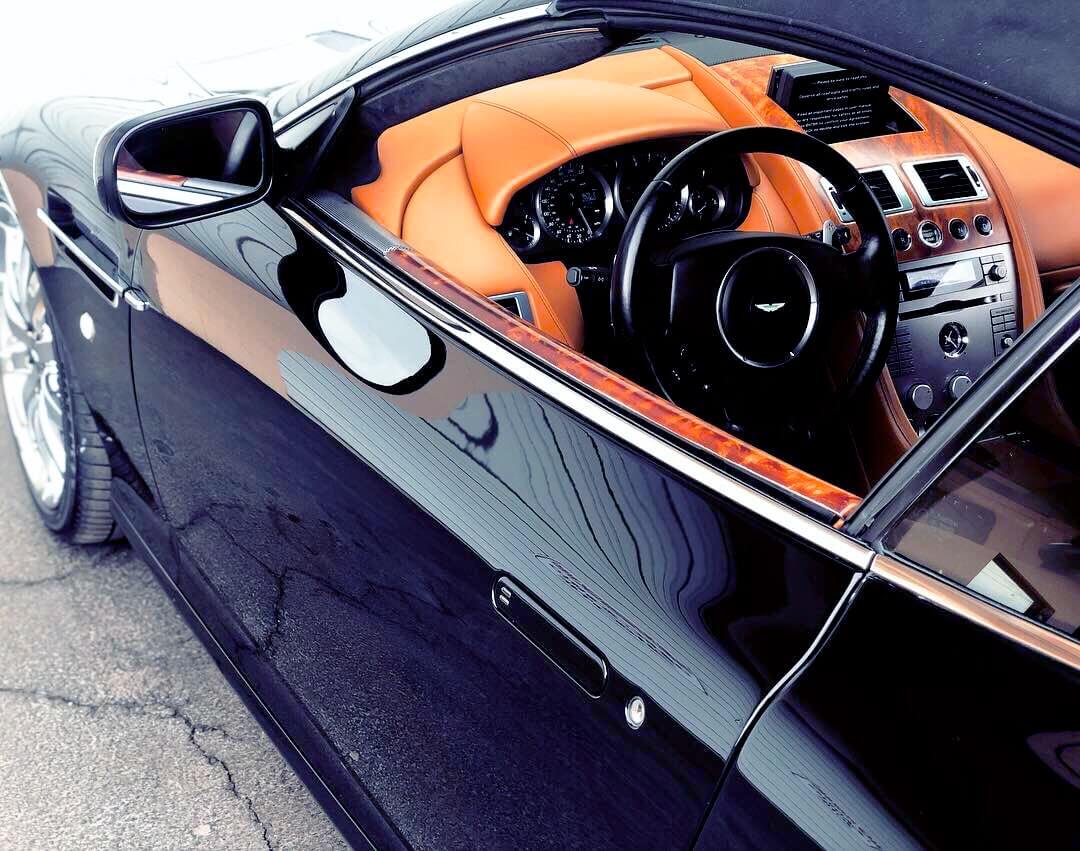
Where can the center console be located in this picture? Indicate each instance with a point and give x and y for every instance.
(957, 314)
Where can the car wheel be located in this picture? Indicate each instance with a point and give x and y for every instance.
(63, 454)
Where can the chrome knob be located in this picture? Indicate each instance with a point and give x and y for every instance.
(922, 397)
(958, 385)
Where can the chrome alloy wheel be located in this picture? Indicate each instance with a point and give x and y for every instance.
(29, 370)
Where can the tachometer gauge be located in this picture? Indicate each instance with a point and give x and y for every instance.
(672, 208)
(520, 229)
(634, 175)
(574, 204)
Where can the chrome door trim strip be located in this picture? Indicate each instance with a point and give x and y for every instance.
(504, 353)
(461, 33)
(952, 598)
(69, 244)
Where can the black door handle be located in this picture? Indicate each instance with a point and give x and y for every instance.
(569, 652)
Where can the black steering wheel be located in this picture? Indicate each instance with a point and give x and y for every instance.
(728, 321)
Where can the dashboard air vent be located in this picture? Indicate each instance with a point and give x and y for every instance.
(946, 181)
(881, 187)
(884, 182)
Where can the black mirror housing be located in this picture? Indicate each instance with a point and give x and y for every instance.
(186, 163)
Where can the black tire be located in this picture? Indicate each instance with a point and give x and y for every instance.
(91, 520)
(83, 514)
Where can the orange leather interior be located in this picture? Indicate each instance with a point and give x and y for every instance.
(447, 175)
(1045, 189)
(553, 121)
(444, 223)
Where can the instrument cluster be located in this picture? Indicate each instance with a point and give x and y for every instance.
(579, 210)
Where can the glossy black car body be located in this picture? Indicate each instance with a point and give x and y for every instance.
(351, 548)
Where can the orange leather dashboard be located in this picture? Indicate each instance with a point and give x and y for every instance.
(1045, 190)
(447, 175)
(552, 121)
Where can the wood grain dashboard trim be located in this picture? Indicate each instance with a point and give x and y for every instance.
(939, 137)
(626, 393)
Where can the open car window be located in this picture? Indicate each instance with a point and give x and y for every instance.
(526, 238)
(1003, 520)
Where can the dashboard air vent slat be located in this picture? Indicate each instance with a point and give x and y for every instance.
(946, 180)
(881, 187)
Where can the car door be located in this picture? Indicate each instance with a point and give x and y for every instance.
(942, 709)
(486, 619)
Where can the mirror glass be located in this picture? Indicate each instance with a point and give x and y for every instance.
(191, 162)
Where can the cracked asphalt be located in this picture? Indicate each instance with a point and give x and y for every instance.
(118, 729)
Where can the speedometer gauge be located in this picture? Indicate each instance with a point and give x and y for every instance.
(574, 204)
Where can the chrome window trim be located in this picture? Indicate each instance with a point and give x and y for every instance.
(69, 244)
(381, 65)
(1014, 627)
(607, 418)
(982, 191)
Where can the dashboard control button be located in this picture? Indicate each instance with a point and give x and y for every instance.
(958, 228)
(580, 276)
(930, 234)
(922, 397)
(1006, 342)
(983, 225)
(958, 385)
(901, 239)
(997, 272)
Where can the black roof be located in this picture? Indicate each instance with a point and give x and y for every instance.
(1011, 63)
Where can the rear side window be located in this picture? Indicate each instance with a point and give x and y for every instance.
(1004, 519)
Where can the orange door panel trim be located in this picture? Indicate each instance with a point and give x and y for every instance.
(408, 153)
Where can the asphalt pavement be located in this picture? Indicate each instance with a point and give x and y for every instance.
(118, 730)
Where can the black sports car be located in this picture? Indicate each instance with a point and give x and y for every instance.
(594, 425)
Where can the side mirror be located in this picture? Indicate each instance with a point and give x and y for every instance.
(187, 163)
